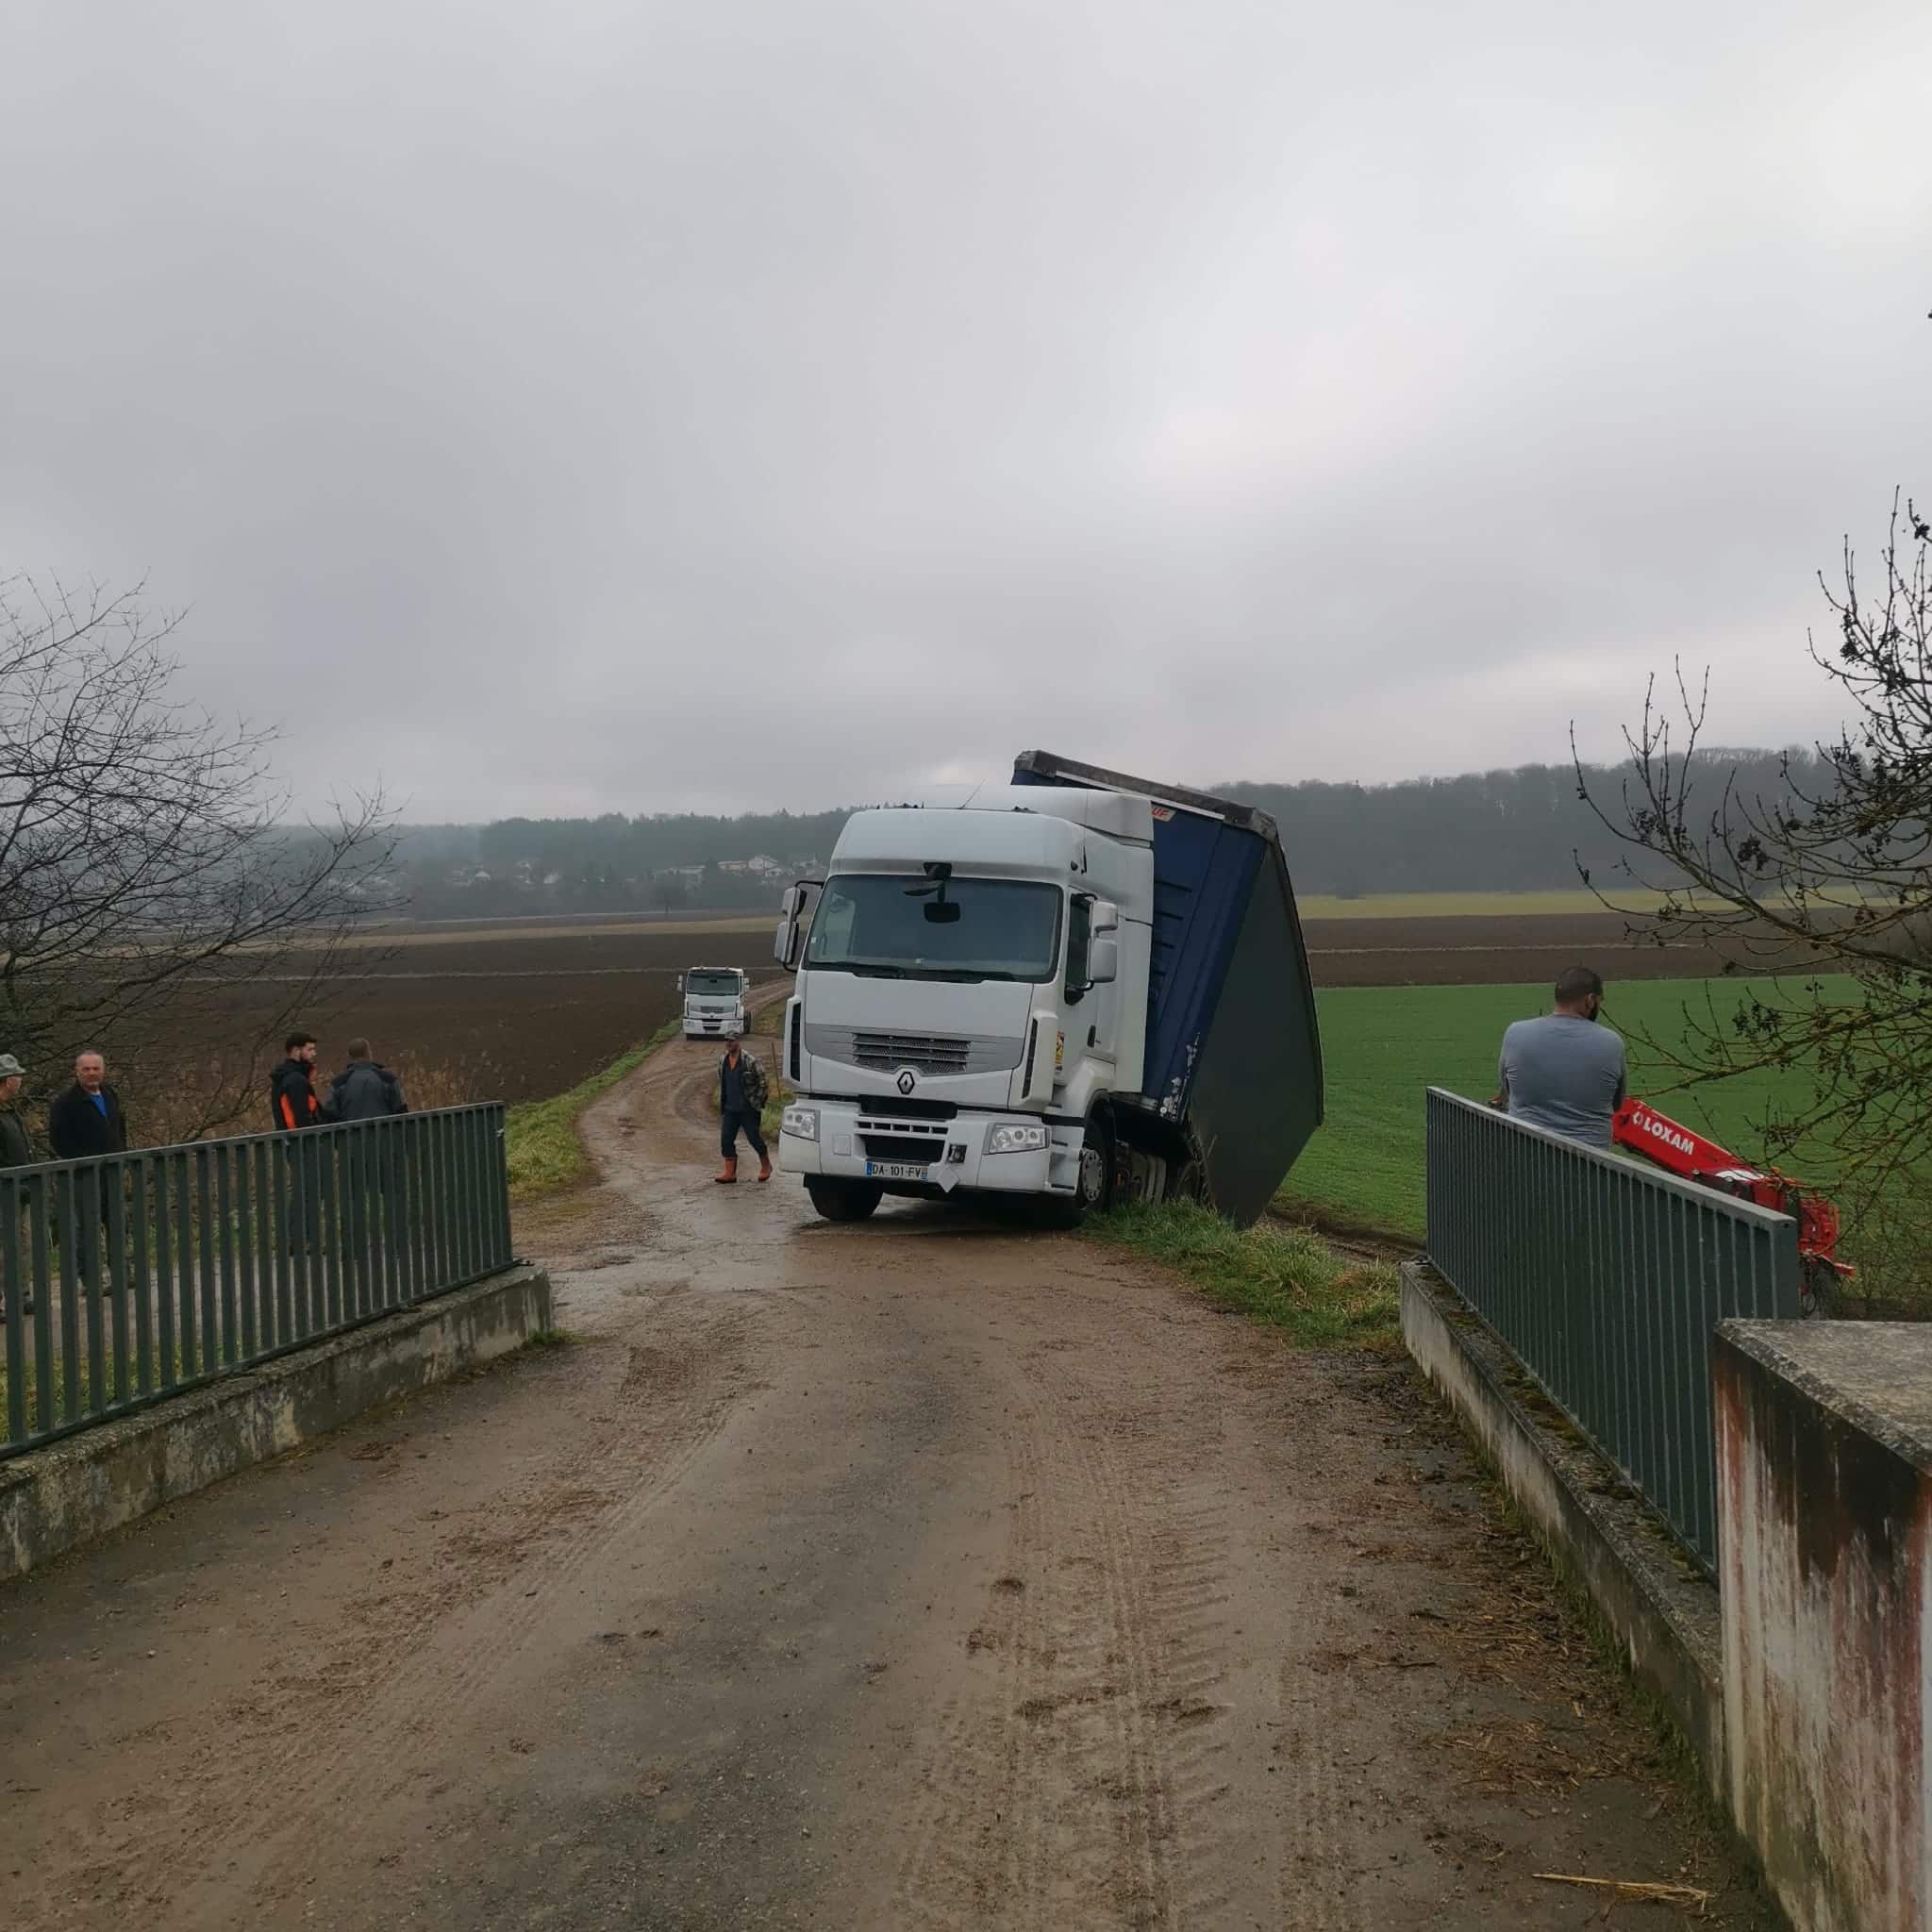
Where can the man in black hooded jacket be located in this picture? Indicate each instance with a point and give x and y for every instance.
(365, 1089)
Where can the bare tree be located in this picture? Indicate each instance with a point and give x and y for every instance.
(1831, 870)
(154, 900)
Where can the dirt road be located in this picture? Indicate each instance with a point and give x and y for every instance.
(922, 1575)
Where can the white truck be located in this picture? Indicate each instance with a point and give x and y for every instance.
(1076, 987)
(714, 998)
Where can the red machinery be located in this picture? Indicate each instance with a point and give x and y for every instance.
(1639, 1127)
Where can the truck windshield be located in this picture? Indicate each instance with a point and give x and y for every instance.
(907, 928)
(711, 985)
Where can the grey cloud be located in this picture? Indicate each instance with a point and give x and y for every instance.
(635, 407)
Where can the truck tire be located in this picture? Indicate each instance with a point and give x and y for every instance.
(1093, 1193)
(844, 1200)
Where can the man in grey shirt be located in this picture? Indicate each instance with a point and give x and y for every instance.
(1564, 1072)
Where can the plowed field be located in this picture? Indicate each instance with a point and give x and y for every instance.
(517, 1013)
(1505, 950)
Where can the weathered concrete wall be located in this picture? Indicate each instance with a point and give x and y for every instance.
(1662, 1610)
(1825, 1491)
(55, 1498)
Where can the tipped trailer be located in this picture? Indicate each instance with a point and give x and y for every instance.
(1081, 986)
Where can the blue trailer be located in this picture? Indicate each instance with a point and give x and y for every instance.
(1232, 1083)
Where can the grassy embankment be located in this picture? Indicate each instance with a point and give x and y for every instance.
(1286, 1276)
(540, 1144)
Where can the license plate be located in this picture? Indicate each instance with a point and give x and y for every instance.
(896, 1170)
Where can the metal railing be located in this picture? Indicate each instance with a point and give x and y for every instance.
(1606, 1279)
(130, 1277)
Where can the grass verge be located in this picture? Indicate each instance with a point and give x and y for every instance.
(540, 1144)
(1286, 1276)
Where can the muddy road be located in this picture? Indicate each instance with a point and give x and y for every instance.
(921, 1574)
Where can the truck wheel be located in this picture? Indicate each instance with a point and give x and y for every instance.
(844, 1200)
(1094, 1190)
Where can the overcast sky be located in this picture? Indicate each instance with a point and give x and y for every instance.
(636, 406)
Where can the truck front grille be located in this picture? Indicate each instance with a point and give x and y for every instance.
(928, 1053)
(925, 1053)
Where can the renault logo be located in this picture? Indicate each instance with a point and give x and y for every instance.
(908, 1081)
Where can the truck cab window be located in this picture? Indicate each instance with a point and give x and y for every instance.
(1079, 930)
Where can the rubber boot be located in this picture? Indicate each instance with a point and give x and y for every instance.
(728, 1172)
(764, 1167)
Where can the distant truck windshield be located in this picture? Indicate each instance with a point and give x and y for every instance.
(711, 985)
(905, 927)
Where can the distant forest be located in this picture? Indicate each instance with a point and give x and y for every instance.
(1519, 830)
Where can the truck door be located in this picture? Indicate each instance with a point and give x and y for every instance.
(1092, 1011)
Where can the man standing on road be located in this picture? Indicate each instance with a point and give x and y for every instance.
(741, 1089)
(86, 1122)
(1564, 1072)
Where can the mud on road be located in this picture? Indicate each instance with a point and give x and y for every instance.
(918, 1574)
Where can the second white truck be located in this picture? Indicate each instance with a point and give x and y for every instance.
(714, 998)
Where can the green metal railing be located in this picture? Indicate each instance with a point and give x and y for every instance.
(130, 1277)
(1606, 1279)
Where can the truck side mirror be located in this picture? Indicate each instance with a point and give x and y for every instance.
(1104, 917)
(680, 983)
(795, 910)
(1102, 961)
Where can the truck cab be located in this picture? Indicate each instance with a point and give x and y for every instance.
(974, 978)
(714, 1001)
(1072, 987)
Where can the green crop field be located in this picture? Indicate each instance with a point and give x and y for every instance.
(1382, 1046)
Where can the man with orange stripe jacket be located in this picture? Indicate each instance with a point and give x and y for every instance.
(291, 1096)
(291, 1091)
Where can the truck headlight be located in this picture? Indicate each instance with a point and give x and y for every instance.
(1016, 1140)
(802, 1123)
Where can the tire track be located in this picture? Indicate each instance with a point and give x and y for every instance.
(1322, 1849)
(1087, 1774)
(388, 1700)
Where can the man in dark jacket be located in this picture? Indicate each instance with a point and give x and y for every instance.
(291, 1086)
(741, 1089)
(87, 1118)
(16, 1144)
(85, 1122)
(292, 1100)
(365, 1089)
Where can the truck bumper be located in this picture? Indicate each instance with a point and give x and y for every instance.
(851, 1143)
(712, 1025)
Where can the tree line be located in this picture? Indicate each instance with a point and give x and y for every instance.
(1528, 829)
